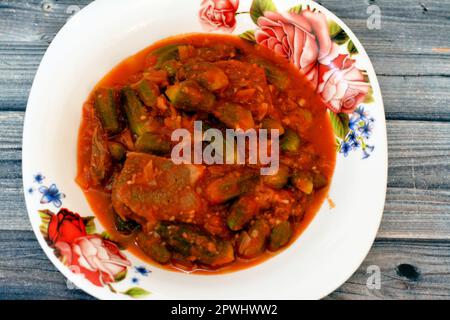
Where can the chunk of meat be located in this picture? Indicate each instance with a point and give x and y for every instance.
(156, 189)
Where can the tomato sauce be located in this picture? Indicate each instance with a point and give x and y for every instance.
(293, 103)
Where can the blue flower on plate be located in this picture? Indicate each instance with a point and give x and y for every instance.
(361, 113)
(39, 178)
(345, 148)
(143, 271)
(51, 195)
(134, 280)
(353, 123)
(30, 190)
(365, 130)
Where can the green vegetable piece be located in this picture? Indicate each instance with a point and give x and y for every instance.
(235, 116)
(100, 163)
(228, 187)
(106, 109)
(279, 179)
(117, 151)
(147, 91)
(275, 75)
(252, 243)
(319, 181)
(137, 114)
(152, 143)
(272, 124)
(153, 247)
(190, 96)
(290, 142)
(242, 212)
(280, 236)
(195, 244)
(303, 181)
(125, 226)
(165, 53)
(209, 76)
(171, 66)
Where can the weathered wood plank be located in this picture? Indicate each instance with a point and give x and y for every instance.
(417, 204)
(409, 270)
(405, 97)
(404, 48)
(26, 273)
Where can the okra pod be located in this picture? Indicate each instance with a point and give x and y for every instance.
(272, 124)
(280, 235)
(235, 116)
(100, 163)
(303, 181)
(208, 75)
(195, 244)
(107, 110)
(147, 91)
(190, 96)
(154, 247)
(242, 212)
(252, 243)
(152, 143)
(274, 74)
(319, 181)
(279, 179)
(165, 53)
(228, 187)
(125, 226)
(117, 151)
(137, 114)
(171, 67)
(290, 142)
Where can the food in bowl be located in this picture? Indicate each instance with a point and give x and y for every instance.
(205, 218)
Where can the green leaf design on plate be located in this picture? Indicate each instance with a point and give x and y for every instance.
(45, 216)
(248, 35)
(137, 292)
(121, 275)
(337, 34)
(369, 98)
(89, 224)
(296, 9)
(259, 7)
(351, 48)
(105, 235)
(340, 123)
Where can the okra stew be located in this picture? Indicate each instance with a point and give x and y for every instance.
(198, 217)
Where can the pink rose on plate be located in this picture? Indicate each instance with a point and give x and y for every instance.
(219, 14)
(303, 38)
(99, 260)
(342, 85)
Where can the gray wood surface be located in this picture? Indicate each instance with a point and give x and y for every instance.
(411, 55)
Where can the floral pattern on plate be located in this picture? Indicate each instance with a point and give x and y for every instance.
(318, 47)
(77, 245)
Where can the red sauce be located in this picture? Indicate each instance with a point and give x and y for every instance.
(318, 134)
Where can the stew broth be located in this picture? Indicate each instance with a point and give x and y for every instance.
(124, 148)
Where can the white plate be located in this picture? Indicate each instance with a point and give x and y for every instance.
(91, 44)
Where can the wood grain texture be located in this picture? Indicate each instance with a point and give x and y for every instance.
(403, 51)
(413, 69)
(26, 273)
(409, 270)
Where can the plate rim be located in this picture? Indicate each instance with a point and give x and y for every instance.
(383, 147)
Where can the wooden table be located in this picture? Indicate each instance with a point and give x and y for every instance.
(411, 54)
